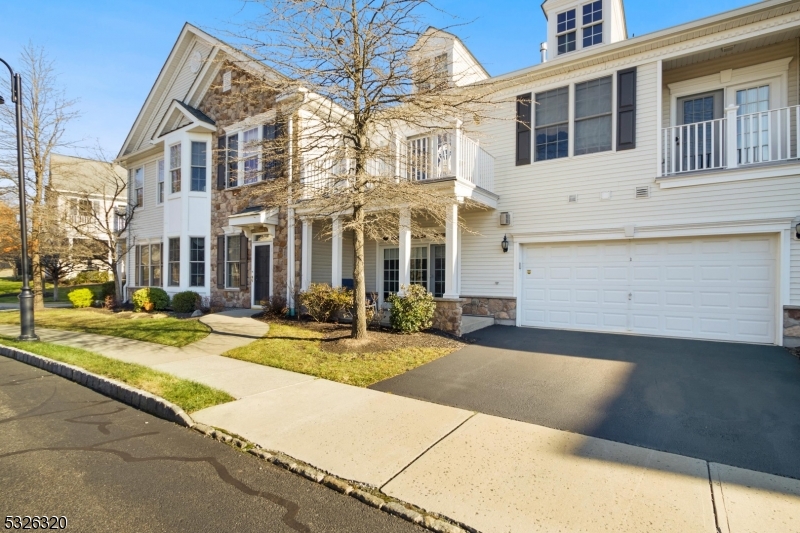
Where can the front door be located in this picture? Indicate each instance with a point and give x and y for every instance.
(261, 274)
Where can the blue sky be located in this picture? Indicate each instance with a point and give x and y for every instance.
(109, 53)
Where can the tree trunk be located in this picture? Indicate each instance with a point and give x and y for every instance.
(359, 330)
(55, 288)
(117, 281)
(37, 281)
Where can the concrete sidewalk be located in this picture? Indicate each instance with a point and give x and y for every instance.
(491, 473)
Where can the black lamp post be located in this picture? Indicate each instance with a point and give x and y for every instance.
(27, 332)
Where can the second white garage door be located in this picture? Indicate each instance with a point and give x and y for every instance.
(720, 288)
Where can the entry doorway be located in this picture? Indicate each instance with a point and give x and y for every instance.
(262, 257)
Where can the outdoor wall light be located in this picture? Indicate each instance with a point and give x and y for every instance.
(504, 244)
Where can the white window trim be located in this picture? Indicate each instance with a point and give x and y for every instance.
(166, 279)
(162, 182)
(189, 261)
(169, 169)
(192, 141)
(573, 30)
(595, 23)
(239, 154)
(136, 189)
(415, 243)
(774, 73)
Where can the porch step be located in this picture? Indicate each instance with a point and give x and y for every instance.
(471, 323)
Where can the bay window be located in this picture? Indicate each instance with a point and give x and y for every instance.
(174, 265)
(198, 178)
(175, 167)
(148, 265)
(197, 262)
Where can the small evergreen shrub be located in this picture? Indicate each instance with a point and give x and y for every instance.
(81, 297)
(186, 302)
(413, 311)
(108, 288)
(321, 301)
(150, 298)
(91, 276)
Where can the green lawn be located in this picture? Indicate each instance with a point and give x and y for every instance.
(300, 349)
(189, 395)
(9, 289)
(168, 331)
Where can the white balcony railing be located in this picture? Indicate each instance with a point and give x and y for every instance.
(428, 157)
(732, 142)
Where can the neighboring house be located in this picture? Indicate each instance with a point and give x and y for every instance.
(652, 188)
(81, 191)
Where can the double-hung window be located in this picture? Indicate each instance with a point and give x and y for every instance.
(197, 261)
(552, 124)
(148, 262)
(198, 166)
(232, 261)
(419, 266)
(593, 116)
(174, 274)
(232, 166)
(592, 23)
(138, 184)
(251, 151)
(160, 182)
(175, 167)
(565, 31)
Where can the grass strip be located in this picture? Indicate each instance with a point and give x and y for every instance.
(167, 331)
(299, 350)
(189, 395)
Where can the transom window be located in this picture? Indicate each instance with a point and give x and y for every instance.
(198, 166)
(175, 167)
(174, 264)
(592, 23)
(197, 261)
(552, 124)
(148, 263)
(593, 116)
(138, 181)
(160, 182)
(565, 31)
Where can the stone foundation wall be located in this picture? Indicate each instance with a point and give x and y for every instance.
(791, 326)
(499, 308)
(447, 316)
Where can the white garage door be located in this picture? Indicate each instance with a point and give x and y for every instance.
(720, 288)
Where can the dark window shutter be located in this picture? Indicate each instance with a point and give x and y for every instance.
(524, 105)
(221, 262)
(244, 273)
(626, 109)
(221, 152)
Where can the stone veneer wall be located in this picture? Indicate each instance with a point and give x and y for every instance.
(447, 316)
(499, 308)
(791, 326)
(247, 97)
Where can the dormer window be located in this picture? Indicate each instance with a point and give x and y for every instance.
(565, 31)
(592, 23)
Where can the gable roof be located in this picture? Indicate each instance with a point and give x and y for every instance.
(179, 115)
(433, 30)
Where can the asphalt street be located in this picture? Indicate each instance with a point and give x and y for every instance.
(68, 451)
(730, 403)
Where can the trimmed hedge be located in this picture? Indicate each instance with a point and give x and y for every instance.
(81, 297)
(186, 302)
(413, 311)
(150, 297)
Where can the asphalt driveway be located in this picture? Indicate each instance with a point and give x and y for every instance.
(735, 404)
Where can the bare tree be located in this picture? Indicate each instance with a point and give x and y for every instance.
(358, 70)
(94, 209)
(46, 112)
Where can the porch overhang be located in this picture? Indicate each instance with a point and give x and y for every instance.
(253, 220)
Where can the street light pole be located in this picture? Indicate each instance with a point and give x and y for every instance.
(27, 332)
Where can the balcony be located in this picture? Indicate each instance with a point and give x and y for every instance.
(438, 157)
(734, 141)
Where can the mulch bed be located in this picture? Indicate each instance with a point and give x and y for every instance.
(337, 337)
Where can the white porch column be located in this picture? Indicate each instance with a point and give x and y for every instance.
(731, 140)
(336, 253)
(405, 247)
(451, 253)
(305, 253)
(455, 155)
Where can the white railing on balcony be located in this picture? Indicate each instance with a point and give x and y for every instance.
(422, 158)
(735, 141)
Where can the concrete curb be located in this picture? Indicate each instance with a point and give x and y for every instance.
(142, 400)
(364, 494)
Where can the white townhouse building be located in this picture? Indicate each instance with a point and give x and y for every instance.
(646, 185)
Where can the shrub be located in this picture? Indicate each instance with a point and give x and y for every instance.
(275, 305)
(322, 301)
(108, 288)
(110, 301)
(91, 276)
(150, 298)
(413, 311)
(186, 302)
(81, 297)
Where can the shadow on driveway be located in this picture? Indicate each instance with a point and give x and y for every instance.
(736, 404)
